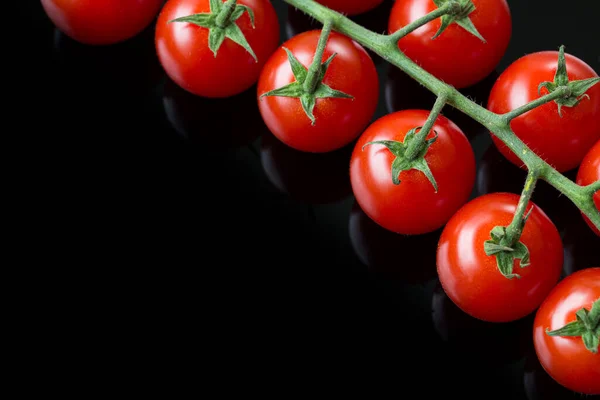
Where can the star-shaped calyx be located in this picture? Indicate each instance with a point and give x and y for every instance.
(576, 89)
(586, 326)
(506, 250)
(404, 160)
(308, 85)
(220, 22)
(459, 14)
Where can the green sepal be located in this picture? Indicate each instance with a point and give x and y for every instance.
(216, 6)
(298, 69)
(506, 253)
(402, 163)
(308, 102)
(577, 89)
(587, 326)
(571, 329)
(218, 34)
(233, 32)
(205, 20)
(216, 37)
(240, 10)
(296, 89)
(460, 17)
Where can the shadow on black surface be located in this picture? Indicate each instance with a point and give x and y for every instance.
(375, 20)
(130, 67)
(408, 259)
(476, 341)
(308, 177)
(403, 93)
(213, 124)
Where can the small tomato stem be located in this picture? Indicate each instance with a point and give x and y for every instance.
(312, 77)
(419, 141)
(594, 187)
(223, 17)
(558, 93)
(435, 14)
(515, 229)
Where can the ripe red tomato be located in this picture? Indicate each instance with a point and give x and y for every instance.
(351, 7)
(338, 121)
(471, 278)
(566, 359)
(185, 55)
(439, 56)
(413, 206)
(589, 172)
(101, 22)
(561, 141)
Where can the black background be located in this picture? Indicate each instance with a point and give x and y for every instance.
(197, 219)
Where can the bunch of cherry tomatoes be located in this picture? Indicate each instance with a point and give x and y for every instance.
(212, 56)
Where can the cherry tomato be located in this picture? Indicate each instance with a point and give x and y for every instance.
(101, 22)
(566, 359)
(186, 57)
(439, 56)
(351, 7)
(589, 172)
(413, 206)
(561, 141)
(338, 121)
(472, 279)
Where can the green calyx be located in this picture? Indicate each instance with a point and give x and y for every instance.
(308, 88)
(220, 22)
(587, 326)
(404, 163)
(458, 13)
(575, 91)
(506, 249)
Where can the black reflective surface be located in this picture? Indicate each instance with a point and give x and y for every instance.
(193, 203)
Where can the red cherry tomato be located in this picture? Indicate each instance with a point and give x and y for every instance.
(413, 206)
(589, 172)
(475, 60)
(351, 7)
(471, 278)
(338, 121)
(184, 53)
(566, 359)
(562, 142)
(101, 22)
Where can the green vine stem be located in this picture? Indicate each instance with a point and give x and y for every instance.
(386, 47)
(417, 144)
(312, 76)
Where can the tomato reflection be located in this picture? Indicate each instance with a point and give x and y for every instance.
(212, 124)
(478, 341)
(130, 67)
(410, 259)
(314, 178)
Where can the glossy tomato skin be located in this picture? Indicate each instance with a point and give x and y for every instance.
(562, 142)
(475, 60)
(566, 359)
(351, 7)
(338, 120)
(589, 172)
(413, 206)
(101, 22)
(472, 279)
(185, 56)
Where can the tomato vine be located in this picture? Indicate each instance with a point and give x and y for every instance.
(386, 46)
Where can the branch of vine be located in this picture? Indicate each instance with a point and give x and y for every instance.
(386, 46)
